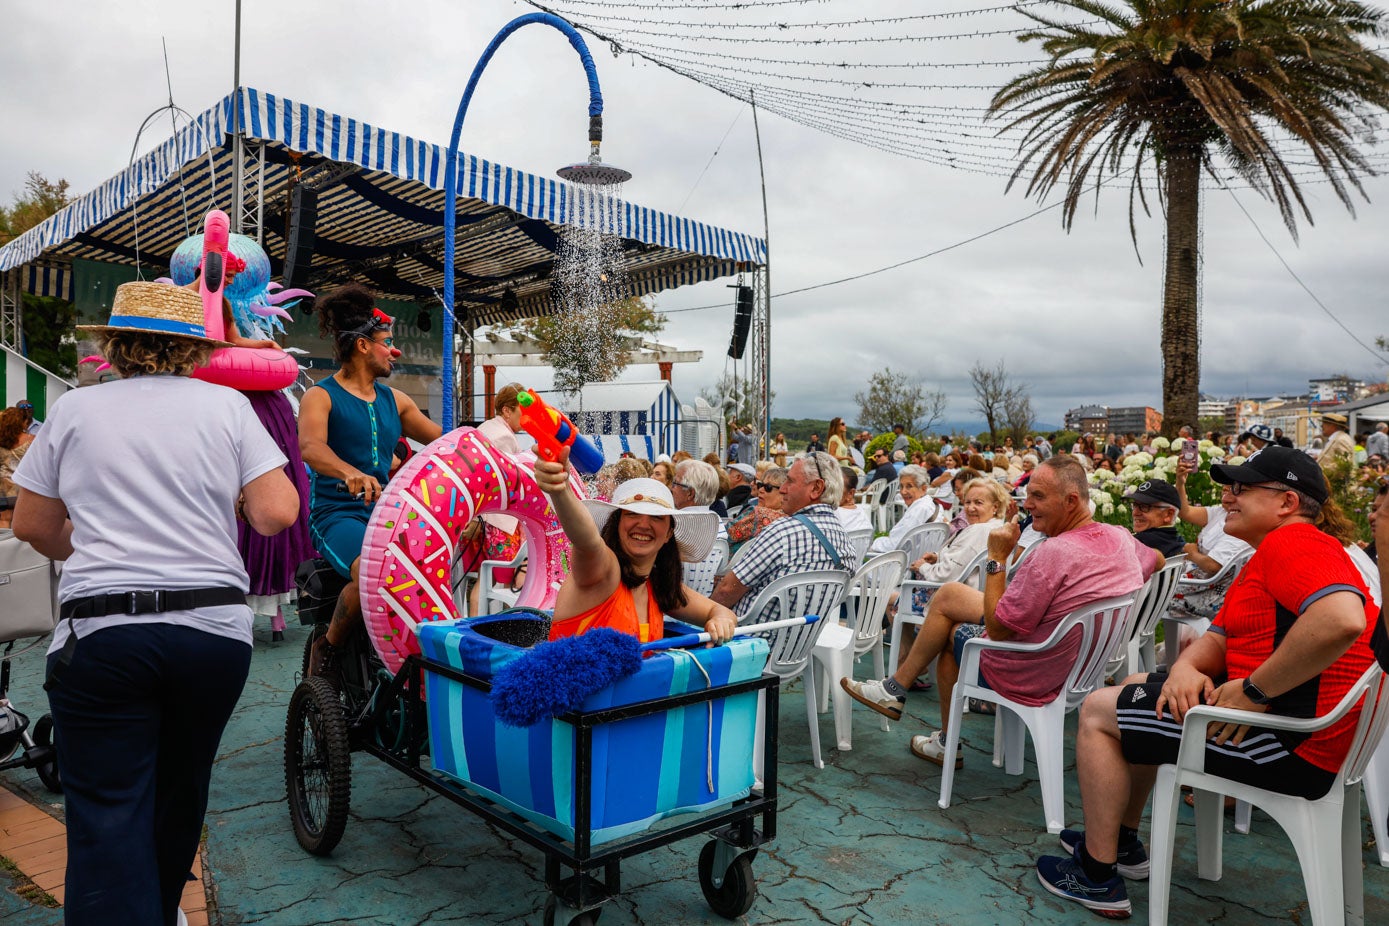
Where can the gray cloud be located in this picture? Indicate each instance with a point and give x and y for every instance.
(1074, 315)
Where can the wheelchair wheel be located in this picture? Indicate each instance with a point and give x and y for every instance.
(318, 766)
(48, 768)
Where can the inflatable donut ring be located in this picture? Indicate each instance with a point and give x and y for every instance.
(408, 552)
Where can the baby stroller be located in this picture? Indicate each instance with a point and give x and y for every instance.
(28, 610)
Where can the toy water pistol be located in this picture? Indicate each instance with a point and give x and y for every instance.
(553, 431)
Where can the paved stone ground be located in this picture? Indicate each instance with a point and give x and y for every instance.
(861, 841)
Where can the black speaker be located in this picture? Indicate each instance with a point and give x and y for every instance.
(742, 323)
(299, 247)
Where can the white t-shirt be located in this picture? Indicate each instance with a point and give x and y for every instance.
(1369, 571)
(150, 469)
(854, 518)
(1215, 543)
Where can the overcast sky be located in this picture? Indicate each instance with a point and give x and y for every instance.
(1074, 315)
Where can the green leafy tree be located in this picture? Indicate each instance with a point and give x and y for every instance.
(894, 398)
(40, 199)
(595, 348)
(48, 333)
(1175, 87)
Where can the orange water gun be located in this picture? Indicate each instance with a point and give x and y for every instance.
(553, 431)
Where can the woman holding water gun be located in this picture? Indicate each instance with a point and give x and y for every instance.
(625, 571)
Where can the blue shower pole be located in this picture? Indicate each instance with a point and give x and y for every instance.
(595, 134)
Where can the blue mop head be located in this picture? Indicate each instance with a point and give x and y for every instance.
(558, 676)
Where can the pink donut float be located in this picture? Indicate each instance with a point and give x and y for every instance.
(408, 552)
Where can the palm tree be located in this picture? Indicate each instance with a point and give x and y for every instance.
(1182, 86)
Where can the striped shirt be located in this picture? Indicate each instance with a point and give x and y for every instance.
(786, 546)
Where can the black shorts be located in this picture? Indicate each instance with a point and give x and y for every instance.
(1263, 760)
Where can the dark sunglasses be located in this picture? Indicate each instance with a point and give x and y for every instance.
(767, 486)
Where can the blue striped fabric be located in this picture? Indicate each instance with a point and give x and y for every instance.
(307, 129)
(645, 769)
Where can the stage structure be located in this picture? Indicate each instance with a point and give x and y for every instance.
(335, 200)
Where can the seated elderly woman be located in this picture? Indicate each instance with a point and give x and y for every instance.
(985, 506)
(912, 484)
(625, 571)
(767, 509)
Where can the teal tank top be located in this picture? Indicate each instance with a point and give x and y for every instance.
(364, 435)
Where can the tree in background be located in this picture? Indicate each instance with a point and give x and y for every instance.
(40, 199)
(47, 323)
(597, 351)
(896, 398)
(1263, 88)
(995, 394)
(48, 333)
(736, 398)
(1018, 417)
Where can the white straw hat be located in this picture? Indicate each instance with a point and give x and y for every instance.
(695, 528)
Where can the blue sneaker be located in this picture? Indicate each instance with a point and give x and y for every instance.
(1065, 878)
(1133, 858)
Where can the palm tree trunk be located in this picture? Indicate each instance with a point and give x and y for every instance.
(1181, 362)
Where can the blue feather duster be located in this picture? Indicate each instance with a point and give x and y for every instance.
(558, 676)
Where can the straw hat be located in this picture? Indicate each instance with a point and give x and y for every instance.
(695, 528)
(156, 308)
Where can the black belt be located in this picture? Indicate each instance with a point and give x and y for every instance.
(151, 602)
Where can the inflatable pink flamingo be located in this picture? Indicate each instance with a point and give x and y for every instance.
(249, 369)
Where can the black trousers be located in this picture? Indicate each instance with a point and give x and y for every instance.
(138, 715)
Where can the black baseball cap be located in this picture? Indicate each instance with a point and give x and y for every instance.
(1293, 468)
(1156, 492)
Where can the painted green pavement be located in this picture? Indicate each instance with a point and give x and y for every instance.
(861, 841)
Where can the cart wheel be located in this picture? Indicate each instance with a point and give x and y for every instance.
(583, 919)
(48, 771)
(735, 896)
(318, 766)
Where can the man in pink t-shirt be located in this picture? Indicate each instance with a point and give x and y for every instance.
(1079, 563)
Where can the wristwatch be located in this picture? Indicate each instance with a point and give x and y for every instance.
(993, 567)
(1255, 693)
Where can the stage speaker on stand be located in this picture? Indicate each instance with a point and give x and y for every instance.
(300, 239)
(742, 323)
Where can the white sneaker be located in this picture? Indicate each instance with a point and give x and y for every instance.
(873, 694)
(932, 749)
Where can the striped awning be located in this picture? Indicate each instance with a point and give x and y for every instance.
(380, 215)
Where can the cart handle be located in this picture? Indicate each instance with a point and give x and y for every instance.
(694, 639)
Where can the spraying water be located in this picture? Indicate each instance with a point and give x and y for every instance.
(589, 277)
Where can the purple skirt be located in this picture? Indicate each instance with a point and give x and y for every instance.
(271, 561)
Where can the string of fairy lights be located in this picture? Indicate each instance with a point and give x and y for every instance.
(842, 69)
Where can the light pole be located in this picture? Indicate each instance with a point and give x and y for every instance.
(593, 172)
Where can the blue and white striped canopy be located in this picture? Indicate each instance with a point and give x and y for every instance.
(380, 215)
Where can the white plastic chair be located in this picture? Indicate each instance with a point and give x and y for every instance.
(702, 576)
(1027, 551)
(1324, 832)
(885, 512)
(840, 645)
(923, 539)
(859, 539)
(1102, 627)
(1149, 606)
(490, 595)
(973, 572)
(1376, 784)
(867, 496)
(1172, 623)
(796, 595)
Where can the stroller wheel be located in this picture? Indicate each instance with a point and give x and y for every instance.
(47, 767)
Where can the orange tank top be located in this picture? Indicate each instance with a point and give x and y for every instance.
(618, 611)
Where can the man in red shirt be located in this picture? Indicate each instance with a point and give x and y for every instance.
(1292, 637)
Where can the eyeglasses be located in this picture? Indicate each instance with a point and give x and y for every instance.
(767, 486)
(814, 459)
(1141, 508)
(386, 342)
(681, 485)
(1239, 488)
(24, 406)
